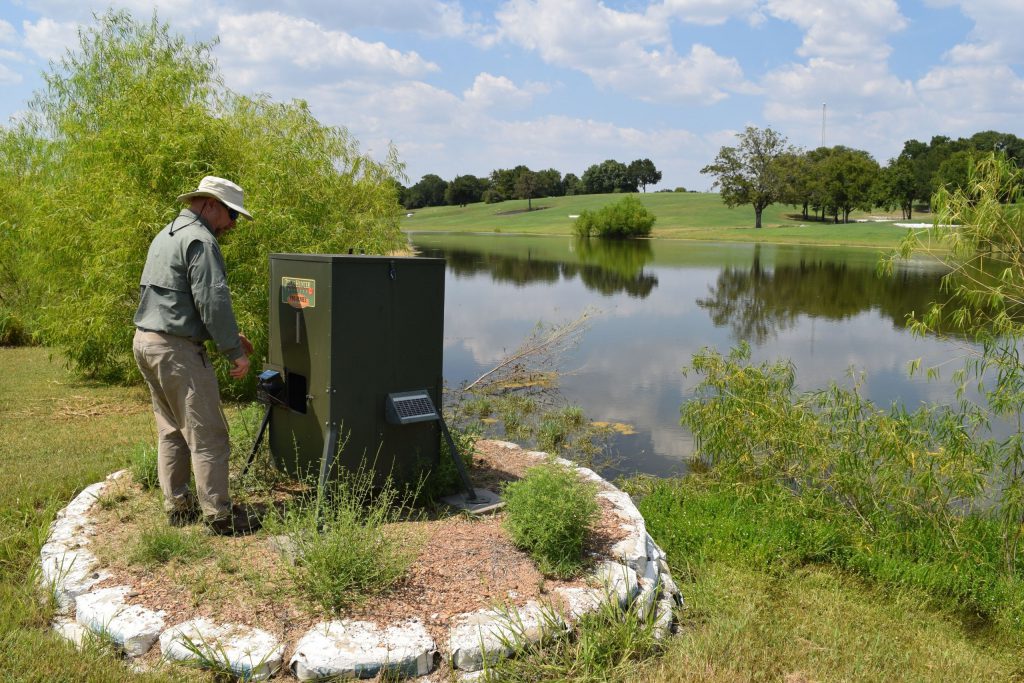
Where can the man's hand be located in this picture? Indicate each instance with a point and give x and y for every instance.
(241, 368)
(246, 344)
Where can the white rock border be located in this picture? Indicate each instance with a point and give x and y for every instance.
(636, 575)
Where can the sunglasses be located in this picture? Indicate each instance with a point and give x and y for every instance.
(232, 213)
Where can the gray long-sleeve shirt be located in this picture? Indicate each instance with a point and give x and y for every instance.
(184, 289)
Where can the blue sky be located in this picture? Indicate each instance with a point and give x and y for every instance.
(467, 87)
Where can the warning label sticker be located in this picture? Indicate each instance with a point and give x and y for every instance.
(298, 292)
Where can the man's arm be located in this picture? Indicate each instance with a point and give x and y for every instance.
(213, 302)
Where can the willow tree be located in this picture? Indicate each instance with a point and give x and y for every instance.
(749, 173)
(135, 116)
(979, 236)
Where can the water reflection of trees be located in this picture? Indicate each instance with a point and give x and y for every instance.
(759, 301)
(606, 267)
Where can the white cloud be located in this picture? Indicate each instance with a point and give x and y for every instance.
(9, 76)
(50, 39)
(489, 91)
(271, 38)
(624, 51)
(842, 30)
(713, 12)
(7, 32)
(996, 33)
(855, 87)
(984, 95)
(427, 17)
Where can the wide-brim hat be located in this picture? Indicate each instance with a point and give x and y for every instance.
(224, 190)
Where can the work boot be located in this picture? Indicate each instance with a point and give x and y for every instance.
(238, 522)
(184, 515)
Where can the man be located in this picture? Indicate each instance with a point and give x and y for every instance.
(184, 301)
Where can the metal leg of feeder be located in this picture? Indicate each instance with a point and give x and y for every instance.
(259, 440)
(327, 460)
(459, 465)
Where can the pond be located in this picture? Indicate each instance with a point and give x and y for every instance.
(659, 302)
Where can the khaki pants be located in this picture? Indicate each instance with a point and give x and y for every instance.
(192, 435)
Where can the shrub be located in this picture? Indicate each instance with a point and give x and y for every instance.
(548, 514)
(625, 218)
(344, 550)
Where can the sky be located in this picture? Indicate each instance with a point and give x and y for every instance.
(467, 87)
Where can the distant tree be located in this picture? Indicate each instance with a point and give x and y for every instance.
(748, 173)
(503, 182)
(849, 179)
(526, 188)
(796, 172)
(608, 176)
(643, 173)
(429, 191)
(549, 183)
(954, 171)
(570, 184)
(465, 189)
(896, 186)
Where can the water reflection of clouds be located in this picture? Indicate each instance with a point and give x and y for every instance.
(627, 367)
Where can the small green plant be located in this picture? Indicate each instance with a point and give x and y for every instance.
(607, 645)
(143, 465)
(112, 499)
(159, 544)
(627, 217)
(548, 514)
(345, 550)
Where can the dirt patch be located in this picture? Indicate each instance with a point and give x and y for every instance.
(78, 407)
(517, 211)
(463, 564)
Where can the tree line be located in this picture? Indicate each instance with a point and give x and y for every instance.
(764, 169)
(523, 183)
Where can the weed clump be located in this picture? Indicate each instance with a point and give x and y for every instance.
(549, 513)
(142, 465)
(160, 544)
(344, 546)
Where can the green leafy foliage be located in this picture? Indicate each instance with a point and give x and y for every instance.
(627, 217)
(127, 122)
(905, 497)
(548, 514)
(978, 234)
(344, 549)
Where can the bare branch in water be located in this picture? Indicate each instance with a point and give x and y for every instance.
(540, 347)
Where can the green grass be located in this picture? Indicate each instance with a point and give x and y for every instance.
(684, 215)
(58, 434)
(750, 617)
(768, 597)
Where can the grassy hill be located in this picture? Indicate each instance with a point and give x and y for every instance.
(681, 215)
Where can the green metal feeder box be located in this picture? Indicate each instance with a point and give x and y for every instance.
(358, 342)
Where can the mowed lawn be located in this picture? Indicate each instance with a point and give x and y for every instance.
(680, 215)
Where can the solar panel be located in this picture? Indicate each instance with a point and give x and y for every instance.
(408, 407)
